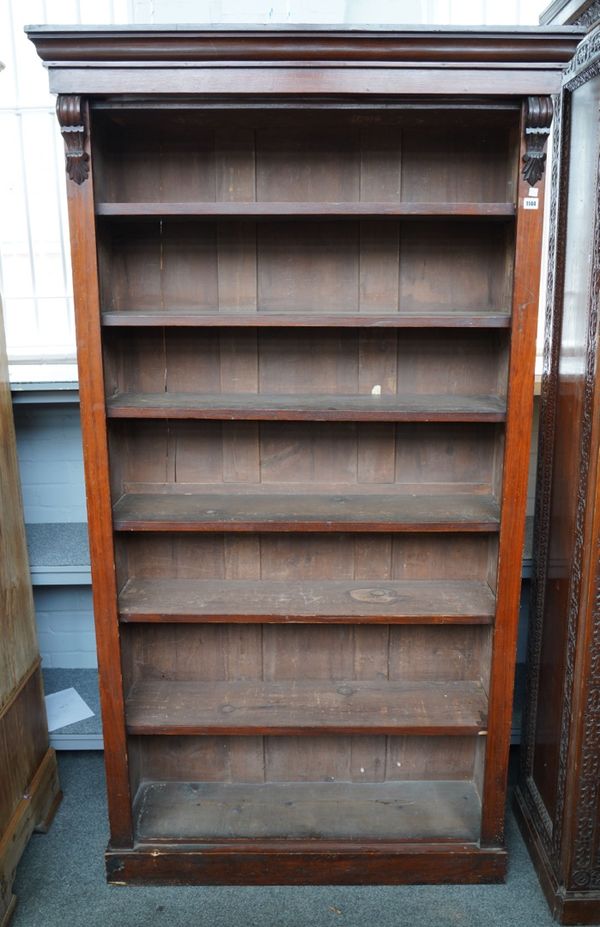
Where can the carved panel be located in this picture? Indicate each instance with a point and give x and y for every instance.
(589, 17)
(585, 63)
(71, 117)
(586, 867)
(553, 324)
(575, 818)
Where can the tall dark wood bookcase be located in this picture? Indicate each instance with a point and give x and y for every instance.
(306, 271)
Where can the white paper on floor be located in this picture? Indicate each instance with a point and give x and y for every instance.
(66, 707)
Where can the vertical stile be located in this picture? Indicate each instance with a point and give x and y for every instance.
(525, 296)
(95, 455)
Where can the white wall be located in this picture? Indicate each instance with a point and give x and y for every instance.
(51, 463)
(65, 623)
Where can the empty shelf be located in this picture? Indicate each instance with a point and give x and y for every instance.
(264, 407)
(270, 511)
(304, 210)
(393, 601)
(189, 812)
(298, 319)
(161, 706)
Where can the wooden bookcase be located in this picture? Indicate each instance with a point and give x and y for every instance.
(557, 797)
(306, 275)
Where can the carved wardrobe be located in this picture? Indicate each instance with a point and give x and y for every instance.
(558, 798)
(306, 267)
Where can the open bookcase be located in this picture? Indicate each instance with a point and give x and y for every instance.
(306, 332)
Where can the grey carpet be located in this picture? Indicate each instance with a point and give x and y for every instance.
(60, 883)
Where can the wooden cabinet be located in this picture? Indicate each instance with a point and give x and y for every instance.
(306, 273)
(29, 788)
(557, 798)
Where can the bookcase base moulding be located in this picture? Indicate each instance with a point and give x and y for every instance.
(306, 268)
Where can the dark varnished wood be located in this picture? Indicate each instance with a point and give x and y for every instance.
(65, 45)
(95, 454)
(496, 62)
(556, 800)
(514, 494)
(301, 82)
(71, 117)
(255, 560)
(273, 862)
(328, 600)
(538, 119)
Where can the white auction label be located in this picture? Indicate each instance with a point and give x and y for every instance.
(531, 202)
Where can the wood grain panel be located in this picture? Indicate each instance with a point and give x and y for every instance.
(187, 511)
(299, 159)
(19, 650)
(445, 371)
(244, 707)
(470, 261)
(308, 758)
(23, 743)
(346, 266)
(310, 262)
(428, 601)
(444, 458)
(281, 557)
(193, 812)
(261, 407)
(89, 280)
(297, 318)
(456, 166)
(514, 495)
(301, 210)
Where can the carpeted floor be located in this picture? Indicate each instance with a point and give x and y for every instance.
(60, 883)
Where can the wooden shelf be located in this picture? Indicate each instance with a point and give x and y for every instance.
(264, 407)
(189, 318)
(257, 270)
(415, 811)
(159, 706)
(307, 511)
(313, 601)
(303, 210)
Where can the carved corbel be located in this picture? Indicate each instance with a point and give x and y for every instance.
(538, 118)
(74, 131)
